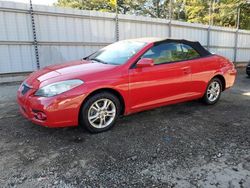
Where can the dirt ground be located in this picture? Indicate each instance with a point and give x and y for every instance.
(184, 145)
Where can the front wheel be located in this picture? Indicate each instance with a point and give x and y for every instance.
(213, 91)
(100, 112)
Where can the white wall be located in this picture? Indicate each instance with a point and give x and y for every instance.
(68, 34)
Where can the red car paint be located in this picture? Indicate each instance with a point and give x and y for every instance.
(140, 88)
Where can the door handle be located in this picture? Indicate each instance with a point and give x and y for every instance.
(186, 70)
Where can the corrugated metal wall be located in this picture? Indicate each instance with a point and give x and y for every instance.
(68, 34)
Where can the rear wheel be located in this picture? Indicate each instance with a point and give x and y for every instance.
(100, 112)
(213, 91)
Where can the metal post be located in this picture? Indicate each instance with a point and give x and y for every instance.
(212, 10)
(238, 18)
(236, 34)
(210, 13)
(116, 21)
(170, 19)
(209, 26)
(34, 35)
(208, 37)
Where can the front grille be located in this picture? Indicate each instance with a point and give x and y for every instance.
(25, 89)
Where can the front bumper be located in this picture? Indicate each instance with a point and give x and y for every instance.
(60, 111)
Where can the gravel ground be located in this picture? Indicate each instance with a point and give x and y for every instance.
(183, 145)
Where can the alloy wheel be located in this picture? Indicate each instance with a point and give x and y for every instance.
(213, 91)
(102, 113)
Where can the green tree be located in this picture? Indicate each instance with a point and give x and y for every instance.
(223, 12)
(99, 5)
(197, 11)
(124, 6)
(153, 8)
(245, 17)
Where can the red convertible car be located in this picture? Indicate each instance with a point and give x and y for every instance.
(123, 78)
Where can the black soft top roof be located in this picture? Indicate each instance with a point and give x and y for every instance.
(194, 44)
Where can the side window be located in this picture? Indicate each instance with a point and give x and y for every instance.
(189, 52)
(170, 52)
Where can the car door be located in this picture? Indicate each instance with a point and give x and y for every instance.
(168, 80)
(200, 71)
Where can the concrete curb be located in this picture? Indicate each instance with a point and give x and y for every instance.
(12, 78)
(241, 65)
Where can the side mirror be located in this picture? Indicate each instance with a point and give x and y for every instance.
(145, 62)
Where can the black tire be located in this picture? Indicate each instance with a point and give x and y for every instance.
(248, 69)
(84, 120)
(206, 98)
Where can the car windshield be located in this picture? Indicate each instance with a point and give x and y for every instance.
(117, 53)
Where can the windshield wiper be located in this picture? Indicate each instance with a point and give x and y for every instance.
(98, 60)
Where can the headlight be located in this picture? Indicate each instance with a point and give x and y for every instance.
(58, 88)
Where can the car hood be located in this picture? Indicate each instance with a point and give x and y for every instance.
(69, 70)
